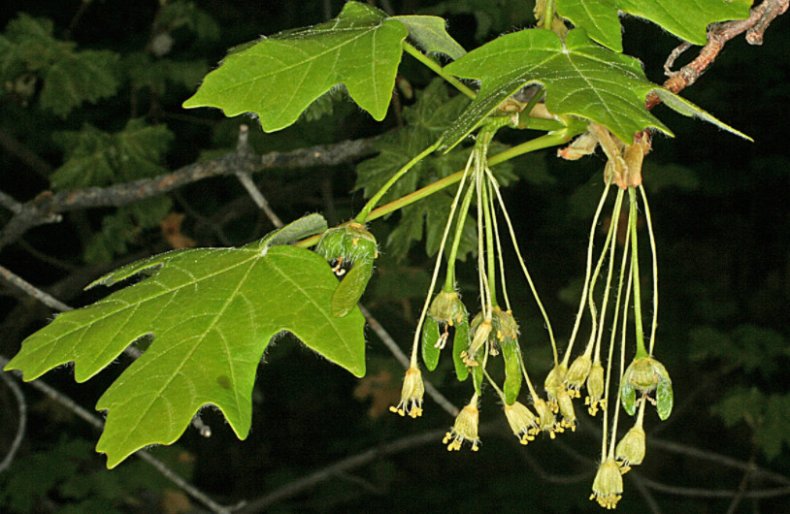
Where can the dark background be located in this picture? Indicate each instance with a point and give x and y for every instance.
(720, 212)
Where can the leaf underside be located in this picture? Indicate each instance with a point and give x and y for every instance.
(580, 78)
(212, 313)
(686, 20)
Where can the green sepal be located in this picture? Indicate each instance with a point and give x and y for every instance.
(350, 289)
(628, 398)
(351, 242)
(430, 334)
(460, 345)
(513, 376)
(665, 399)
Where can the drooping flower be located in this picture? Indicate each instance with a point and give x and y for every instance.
(595, 385)
(630, 450)
(577, 374)
(554, 384)
(565, 404)
(522, 421)
(607, 487)
(464, 428)
(547, 422)
(645, 375)
(411, 394)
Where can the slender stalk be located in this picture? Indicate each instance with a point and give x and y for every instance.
(640, 334)
(531, 388)
(533, 145)
(490, 257)
(610, 270)
(363, 215)
(437, 68)
(437, 267)
(623, 338)
(485, 291)
(609, 247)
(498, 240)
(650, 233)
(548, 14)
(527, 275)
(460, 221)
(615, 319)
(587, 272)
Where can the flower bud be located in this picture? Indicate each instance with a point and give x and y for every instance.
(344, 245)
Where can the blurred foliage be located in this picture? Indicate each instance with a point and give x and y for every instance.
(99, 87)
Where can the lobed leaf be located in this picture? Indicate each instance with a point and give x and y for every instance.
(212, 313)
(686, 20)
(430, 34)
(279, 77)
(580, 78)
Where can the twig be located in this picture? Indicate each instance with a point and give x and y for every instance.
(9, 203)
(243, 149)
(18, 149)
(743, 486)
(639, 483)
(293, 488)
(98, 424)
(717, 458)
(754, 27)
(696, 492)
(46, 207)
(22, 284)
(21, 423)
(393, 347)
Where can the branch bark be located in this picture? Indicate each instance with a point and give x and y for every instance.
(47, 207)
(718, 35)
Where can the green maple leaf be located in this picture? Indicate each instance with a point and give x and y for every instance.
(97, 158)
(212, 313)
(580, 78)
(279, 77)
(686, 20)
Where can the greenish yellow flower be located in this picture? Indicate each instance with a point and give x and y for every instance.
(607, 487)
(522, 421)
(547, 422)
(645, 375)
(577, 374)
(554, 385)
(464, 428)
(565, 404)
(630, 450)
(595, 385)
(411, 394)
(504, 325)
(447, 308)
(481, 332)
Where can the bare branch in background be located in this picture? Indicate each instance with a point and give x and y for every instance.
(719, 34)
(21, 421)
(98, 424)
(47, 207)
